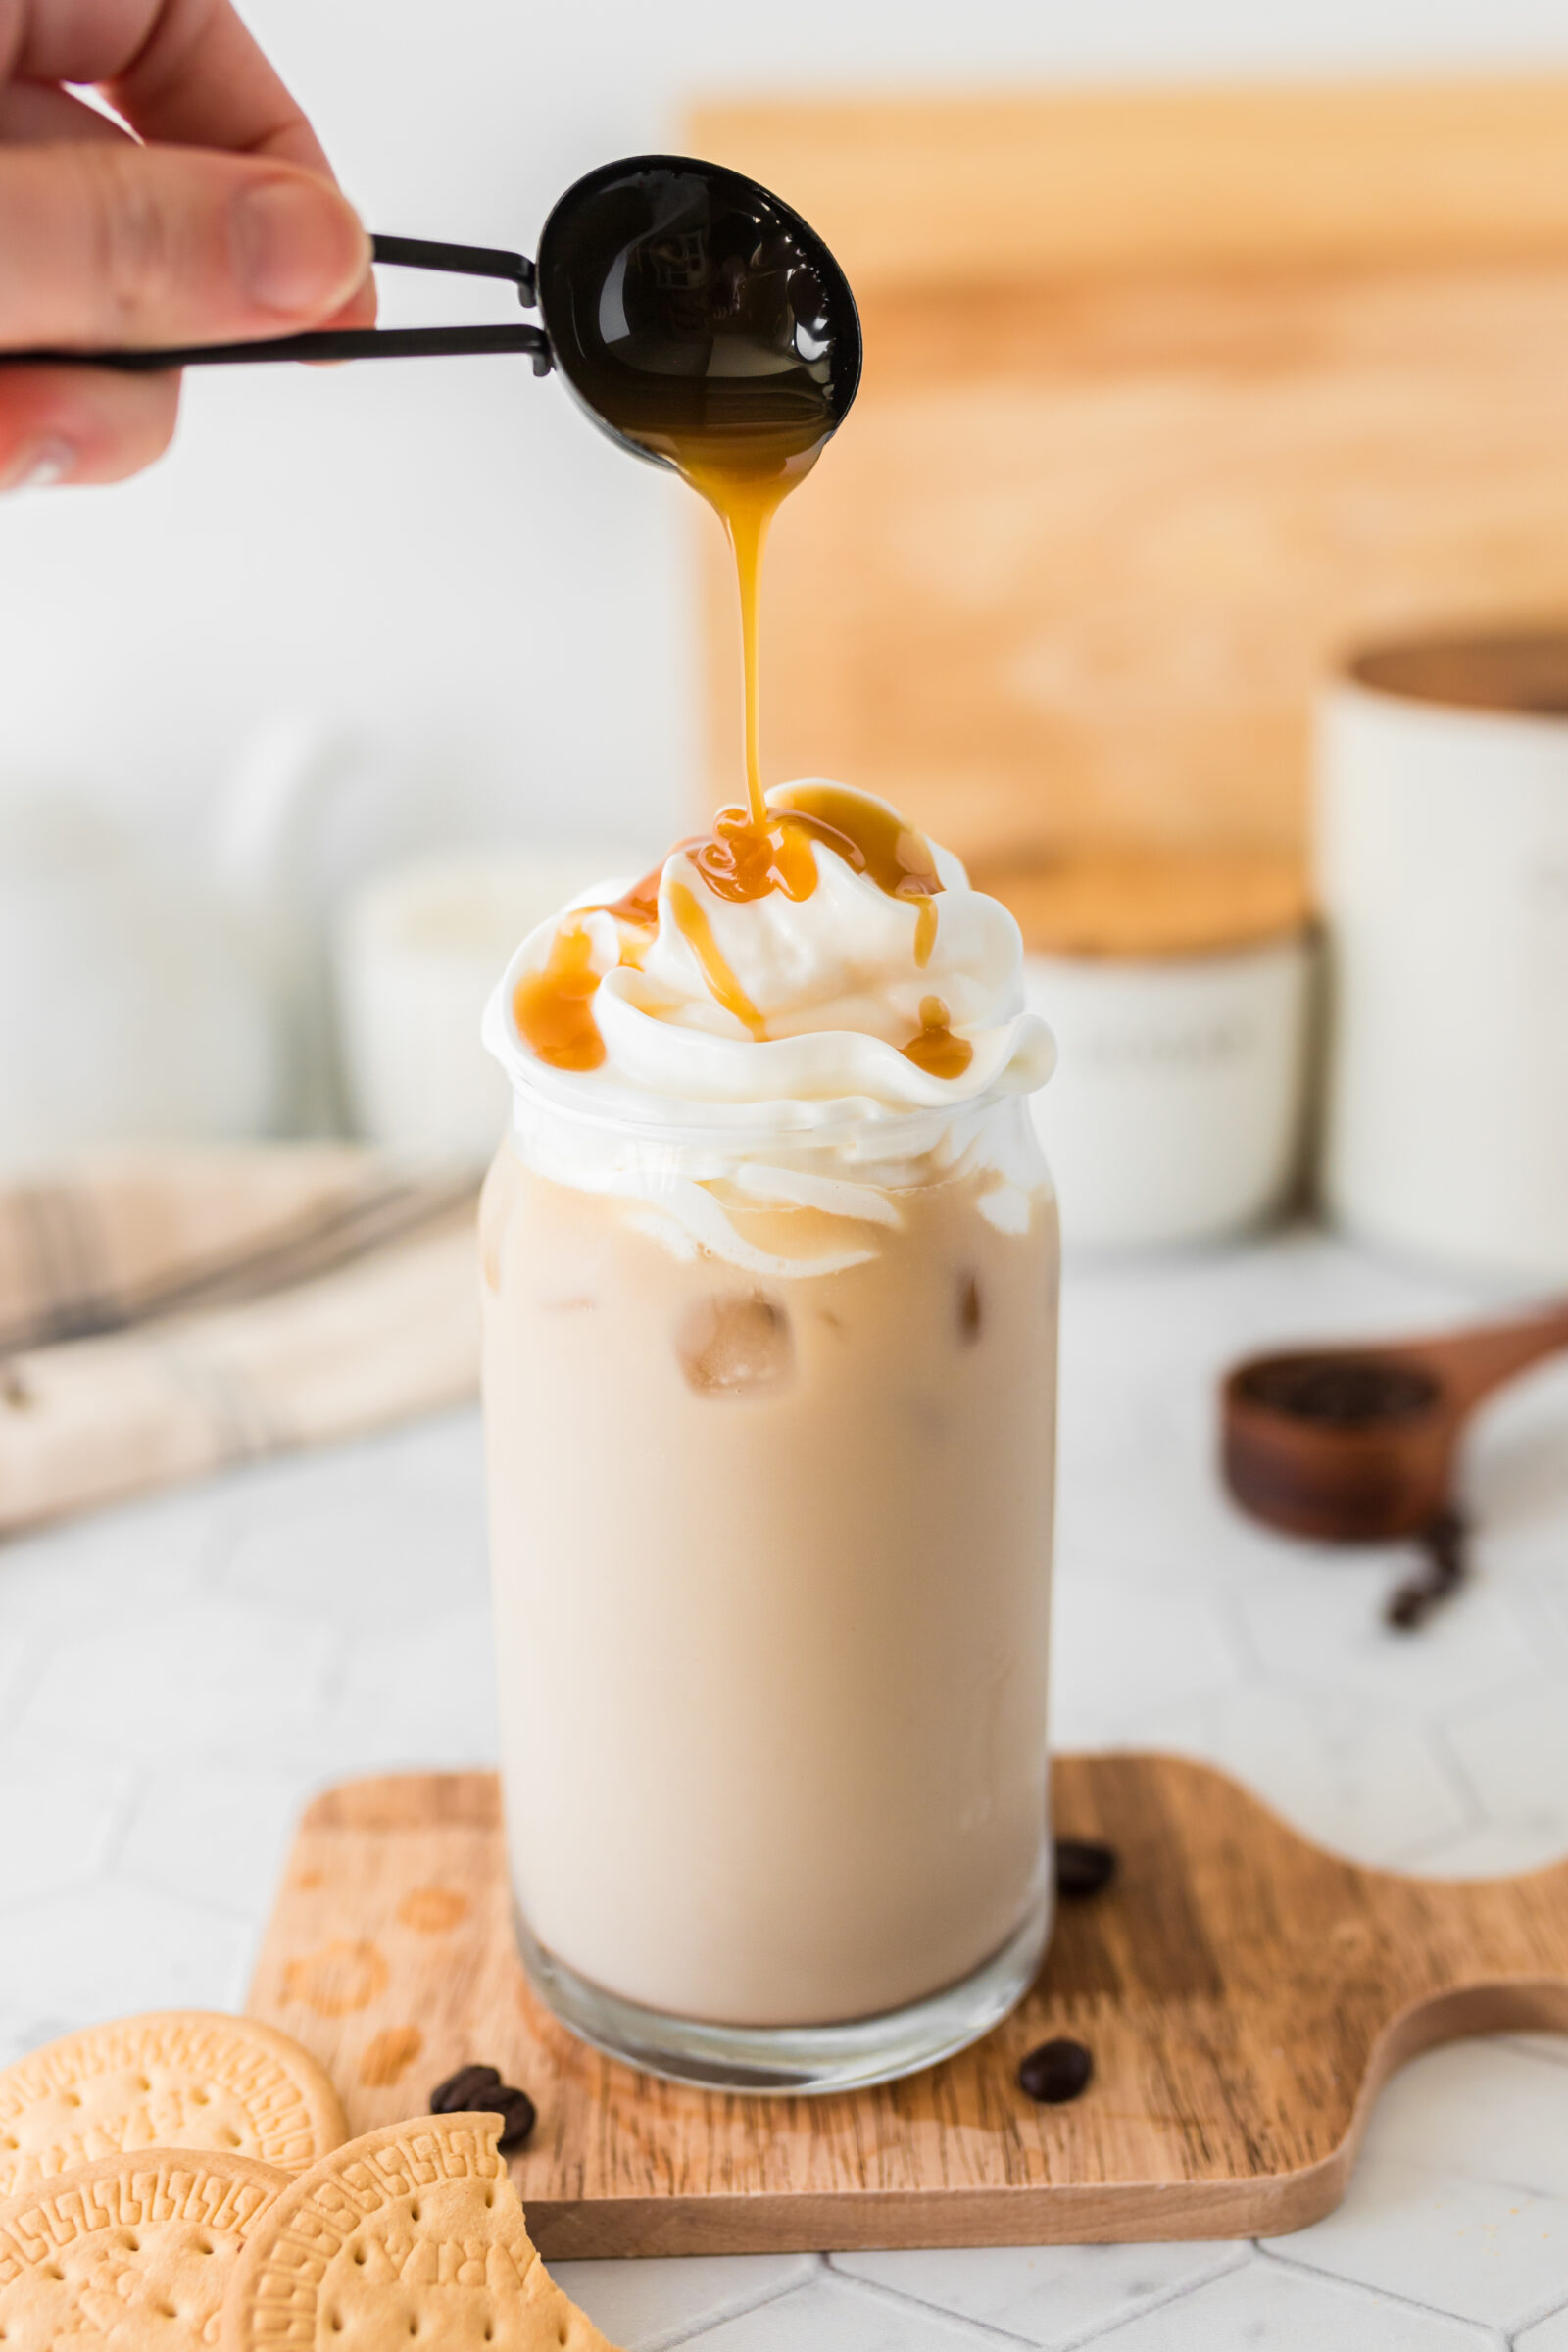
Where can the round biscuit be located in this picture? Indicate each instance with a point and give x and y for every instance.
(177, 2078)
(413, 2230)
(135, 2251)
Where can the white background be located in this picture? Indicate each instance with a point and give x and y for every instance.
(443, 553)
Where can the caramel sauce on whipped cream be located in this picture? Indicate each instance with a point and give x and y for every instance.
(553, 1008)
(742, 861)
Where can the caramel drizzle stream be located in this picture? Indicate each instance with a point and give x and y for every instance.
(745, 484)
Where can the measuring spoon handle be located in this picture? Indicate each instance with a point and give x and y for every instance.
(350, 343)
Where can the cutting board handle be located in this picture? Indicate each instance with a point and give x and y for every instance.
(1505, 1942)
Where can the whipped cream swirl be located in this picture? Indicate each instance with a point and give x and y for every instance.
(783, 1009)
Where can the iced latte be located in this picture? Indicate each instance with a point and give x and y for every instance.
(769, 1265)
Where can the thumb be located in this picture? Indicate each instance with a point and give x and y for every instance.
(106, 243)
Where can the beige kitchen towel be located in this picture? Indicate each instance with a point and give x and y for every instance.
(166, 1313)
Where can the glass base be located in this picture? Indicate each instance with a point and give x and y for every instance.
(795, 2059)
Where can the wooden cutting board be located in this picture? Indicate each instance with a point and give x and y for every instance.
(1170, 396)
(1244, 1994)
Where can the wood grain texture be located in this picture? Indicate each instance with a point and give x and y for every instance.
(915, 190)
(1169, 399)
(1244, 1996)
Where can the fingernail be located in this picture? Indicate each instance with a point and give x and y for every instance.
(297, 247)
(50, 462)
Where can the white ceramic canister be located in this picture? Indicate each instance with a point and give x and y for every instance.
(1442, 865)
(1178, 986)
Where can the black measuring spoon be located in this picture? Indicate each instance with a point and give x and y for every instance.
(677, 296)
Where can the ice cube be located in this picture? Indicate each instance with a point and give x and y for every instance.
(736, 1345)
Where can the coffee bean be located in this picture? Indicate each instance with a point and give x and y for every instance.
(517, 2118)
(471, 2087)
(480, 2089)
(1444, 1572)
(1083, 1866)
(1055, 2072)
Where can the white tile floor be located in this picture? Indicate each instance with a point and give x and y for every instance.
(177, 1677)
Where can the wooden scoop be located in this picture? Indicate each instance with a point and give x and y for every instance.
(1357, 1444)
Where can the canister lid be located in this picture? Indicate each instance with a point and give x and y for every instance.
(1143, 902)
(1524, 671)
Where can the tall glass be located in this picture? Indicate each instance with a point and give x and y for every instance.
(770, 1423)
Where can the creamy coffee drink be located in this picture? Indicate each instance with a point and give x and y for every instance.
(769, 1267)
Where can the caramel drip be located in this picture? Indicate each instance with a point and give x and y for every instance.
(638, 905)
(553, 1008)
(934, 1048)
(925, 933)
(897, 857)
(693, 926)
(874, 840)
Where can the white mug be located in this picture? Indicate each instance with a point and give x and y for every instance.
(1443, 869)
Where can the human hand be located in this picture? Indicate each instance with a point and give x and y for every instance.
(218, 220)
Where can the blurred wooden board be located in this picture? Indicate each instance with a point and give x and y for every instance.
(999, 189)
(1169, 398)
(1243, 1994)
